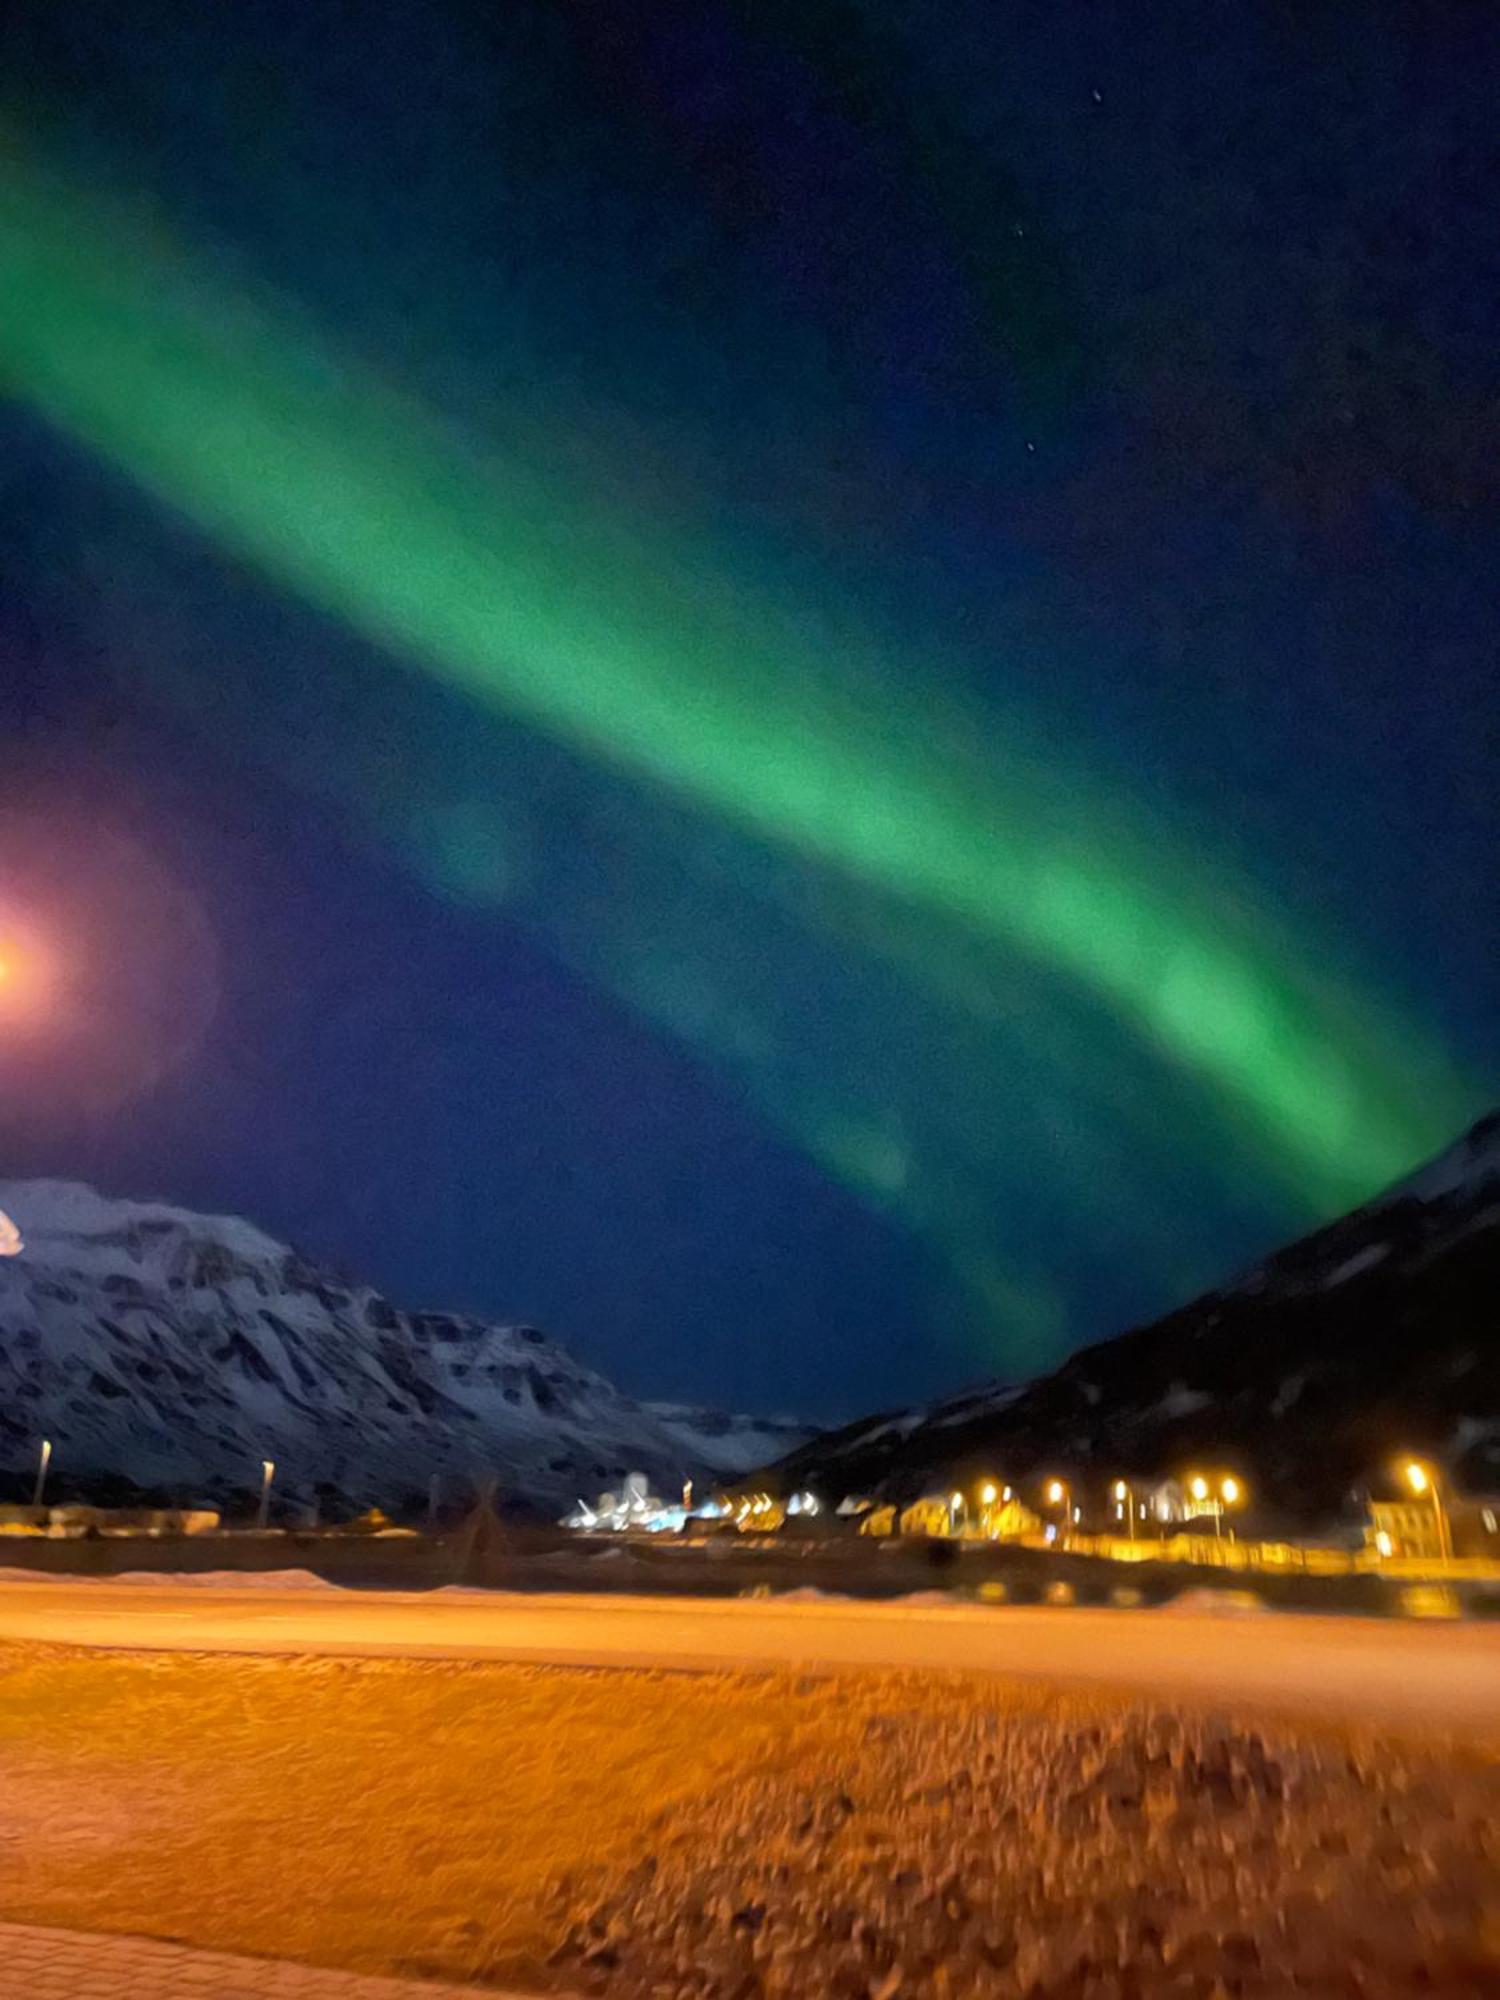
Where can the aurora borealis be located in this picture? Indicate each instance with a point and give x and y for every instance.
(783, 797)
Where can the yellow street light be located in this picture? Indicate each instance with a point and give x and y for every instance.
(1059, 1494)
(1230, 1491)
(1422, 1479)
(988, 1494)
(1201, 1492)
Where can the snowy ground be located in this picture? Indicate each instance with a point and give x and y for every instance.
(654, 1834)
(1398, 1672)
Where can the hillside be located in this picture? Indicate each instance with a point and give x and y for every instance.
(1376, 1334)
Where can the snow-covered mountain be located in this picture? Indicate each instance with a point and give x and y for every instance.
(172, 1351)
(1378, 1333)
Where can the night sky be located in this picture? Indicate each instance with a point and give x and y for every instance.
(808, 690)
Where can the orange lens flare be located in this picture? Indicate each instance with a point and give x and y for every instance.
(22, 976)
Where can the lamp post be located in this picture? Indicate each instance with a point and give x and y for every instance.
(1421, 1479)
(1198, 1491)
(1060, 1495)
(44, 1459)
(1124, 1496)
(267, 1474)
(1231, 1494)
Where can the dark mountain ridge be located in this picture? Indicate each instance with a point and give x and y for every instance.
(1377, 1334)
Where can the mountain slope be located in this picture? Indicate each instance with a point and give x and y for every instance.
(1376, 1334)
(175, 1351)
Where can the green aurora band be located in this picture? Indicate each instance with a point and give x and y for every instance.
(533, 596)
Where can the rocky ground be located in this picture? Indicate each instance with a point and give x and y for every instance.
(976, 1851)
(634, 1834)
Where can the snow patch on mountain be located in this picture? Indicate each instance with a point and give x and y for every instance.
(178, 1350)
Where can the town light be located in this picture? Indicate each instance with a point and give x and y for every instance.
(1060, 1495)
(267, 1474)
(44, 1459)
(1422, 1479)
(1198, 1487)
(1230, 1490)
(1120, 1489)
(988, 1493)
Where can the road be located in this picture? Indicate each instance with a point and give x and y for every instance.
(1411, 1675)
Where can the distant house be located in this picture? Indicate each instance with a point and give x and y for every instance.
(1008, 1520)
(948, 1517)
(1407, 1529)
(1166, 1503)
(72, 1522)
(761, 1516)
(1401, 1530)
(934, 1516)
(1476, 1525)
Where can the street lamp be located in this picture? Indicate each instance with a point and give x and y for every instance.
(44, 1459)
(1421, 1479)
(1201, 1493)
(1125, 1498)
(1059, 1495)
(267, 1474)
(988, 1493)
